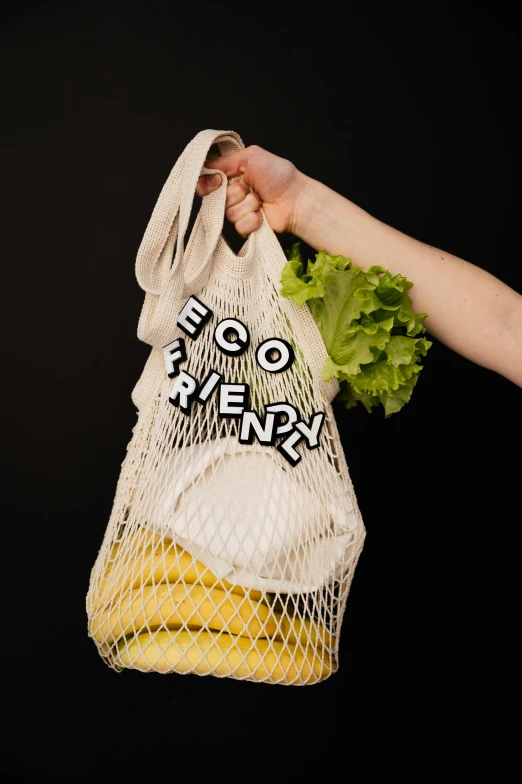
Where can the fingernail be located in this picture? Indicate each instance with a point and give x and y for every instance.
(213, 180)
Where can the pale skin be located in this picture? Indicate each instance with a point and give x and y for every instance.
(469, 310)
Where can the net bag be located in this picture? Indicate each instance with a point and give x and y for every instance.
(234, 531)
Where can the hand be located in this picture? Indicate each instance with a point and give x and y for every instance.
(276, 187)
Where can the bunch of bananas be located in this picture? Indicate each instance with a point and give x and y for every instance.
(156, 608)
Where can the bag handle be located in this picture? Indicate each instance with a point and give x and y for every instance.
(195, 156)
(163, 281)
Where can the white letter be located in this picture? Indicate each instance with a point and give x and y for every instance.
(286, 447)
(234, 348)
(193, 317)
(173, 354)
(207, 386)
(292, 415)
(251, 422)
(182, 391)
(282, 362)
(233, 399)
(312, 430)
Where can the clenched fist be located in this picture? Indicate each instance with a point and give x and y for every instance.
(268, 181)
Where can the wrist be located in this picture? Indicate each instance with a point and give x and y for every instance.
(316, 218)
(302, 205)
(325, 220)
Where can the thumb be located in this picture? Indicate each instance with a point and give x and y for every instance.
(207, 183)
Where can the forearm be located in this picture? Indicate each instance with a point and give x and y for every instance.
(470, 310)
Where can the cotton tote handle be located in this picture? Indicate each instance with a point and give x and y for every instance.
(159, 275)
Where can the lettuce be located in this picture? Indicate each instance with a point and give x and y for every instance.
(374, 339)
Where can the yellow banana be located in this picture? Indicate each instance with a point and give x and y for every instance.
(175, 606)
(223, 654)
(154, 561)
(293, 630)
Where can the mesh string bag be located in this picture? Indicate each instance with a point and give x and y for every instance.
(232, 542)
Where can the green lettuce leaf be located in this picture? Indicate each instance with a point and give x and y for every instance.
(371, 333)
(394, 401)
(294, 287)
(351, 398)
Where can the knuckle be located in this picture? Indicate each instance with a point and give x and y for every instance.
(235, 211)
(247, 204)
(257, 219)
(230, 212)
(239, 209)
(248, 223)
(235, 194)
(242, 226)
(238, 187)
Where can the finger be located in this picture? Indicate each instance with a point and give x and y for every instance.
(230, 164)
(249, 223)
(250, 203)
(207, 183)
(236, 192)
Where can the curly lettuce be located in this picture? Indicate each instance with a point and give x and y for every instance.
(374, 339)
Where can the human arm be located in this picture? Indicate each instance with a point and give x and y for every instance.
(470, 311)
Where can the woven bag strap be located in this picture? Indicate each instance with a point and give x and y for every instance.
(161, 276)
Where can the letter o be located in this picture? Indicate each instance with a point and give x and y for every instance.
(283, 362)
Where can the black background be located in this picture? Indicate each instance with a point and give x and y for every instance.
(412, 116)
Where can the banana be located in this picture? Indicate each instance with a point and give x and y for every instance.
(222, 654)
(294, 630)
(175, 606)
(154, 561)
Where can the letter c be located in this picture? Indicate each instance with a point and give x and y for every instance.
(234, 348)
